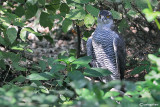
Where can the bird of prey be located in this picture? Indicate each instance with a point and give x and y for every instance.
(107, 48)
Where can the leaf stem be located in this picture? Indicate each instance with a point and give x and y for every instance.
(149, 5)
(158, 25)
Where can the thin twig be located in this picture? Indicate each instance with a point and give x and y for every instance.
(133, 6)
(6, 74)
(78, 41)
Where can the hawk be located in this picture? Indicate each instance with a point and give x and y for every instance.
(107, 48)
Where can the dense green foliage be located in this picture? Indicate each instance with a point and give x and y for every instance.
(62, 81)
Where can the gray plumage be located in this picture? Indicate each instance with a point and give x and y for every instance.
(107, 48)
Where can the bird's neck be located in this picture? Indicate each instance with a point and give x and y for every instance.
(105, 25)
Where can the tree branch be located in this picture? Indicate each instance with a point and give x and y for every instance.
(78, 41)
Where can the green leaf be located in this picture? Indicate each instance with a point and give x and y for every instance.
(57, 67)
(71, 59)
(42, 64)
(154, 2)
(76, 14)
(49, 38)
(17, 48)
(96, 72)
(75, 75)
(44, 89)
(51, 99)
(19, 79)
(23, 33)
(123, 25)
(127, 4)
(72, 52)
(55, 1)
(12, 34)
(139, 69)
(92, 73)
(156, 94)
(45, 20)
(66, 25)
(55, 4)
(111, 94)
(130, 86)
(89, 20)
(32, 1)
(57, 16)
(64, 8)
(2, 64)
(42, 2)
(20, 11)
(2, 40)
(40, 76)
(142, 4)
(19, 22)
(116, 1)
(79, 84)
(29, 50)
(31, 10)
(152, 57)
(17, 66)
(20, 1)
(150, 16)
(94, 11)
(116, 15)
(80, 23)
(81, 1)
(86, 35)
(132, 13)
(83, 61)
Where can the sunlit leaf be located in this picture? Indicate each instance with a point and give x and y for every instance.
(89, 20)
(76, 14)
(23, 33)
(116, 15)
(150, 16)
(17, 48)
(66, 25)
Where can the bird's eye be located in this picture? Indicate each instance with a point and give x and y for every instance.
(108, 16)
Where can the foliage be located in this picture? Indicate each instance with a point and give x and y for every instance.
(62, 81)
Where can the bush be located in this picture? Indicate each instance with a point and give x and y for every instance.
(62, 81)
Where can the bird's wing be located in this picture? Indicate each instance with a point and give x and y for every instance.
(90, 52)
(89, 47)
(119, 49)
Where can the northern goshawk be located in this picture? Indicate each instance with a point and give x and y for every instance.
(107, 48)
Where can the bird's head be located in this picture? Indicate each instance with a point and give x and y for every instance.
(105, 18)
